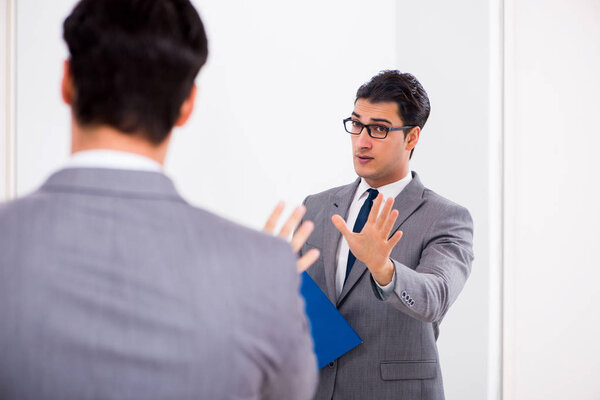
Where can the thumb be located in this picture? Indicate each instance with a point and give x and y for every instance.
(393, 241)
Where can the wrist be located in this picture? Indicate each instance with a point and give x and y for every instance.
(384, 274)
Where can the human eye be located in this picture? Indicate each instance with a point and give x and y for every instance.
(379, 128)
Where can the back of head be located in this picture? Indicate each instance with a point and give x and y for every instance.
(133, 62)
(400, 88)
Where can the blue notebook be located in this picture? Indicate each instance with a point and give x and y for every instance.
(332, 334)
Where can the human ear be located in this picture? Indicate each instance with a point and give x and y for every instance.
(186, 108)
(67, 88)
(412, 138)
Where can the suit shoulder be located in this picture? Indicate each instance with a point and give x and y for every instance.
(252, 245)
(443, 204)
(223, 226)
(24, 206)
(318, 197)
(442, 214)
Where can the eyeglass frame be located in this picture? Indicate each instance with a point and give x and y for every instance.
(396, 128)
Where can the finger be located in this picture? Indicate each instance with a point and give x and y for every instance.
(385, 213)
(292, 222)
(395, 239)
(389, 222)
(307, 260)
(341, 226)
(274, 217)
(375, 209)
(301, 235)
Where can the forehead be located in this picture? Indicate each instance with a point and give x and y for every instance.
(367, 110)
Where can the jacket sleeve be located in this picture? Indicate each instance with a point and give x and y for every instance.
(427, 292)
(293, 373)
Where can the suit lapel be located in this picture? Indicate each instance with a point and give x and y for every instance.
(407, 202)
(357, 271)
(339, 203)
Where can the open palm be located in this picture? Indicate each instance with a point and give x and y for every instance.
(373, 245)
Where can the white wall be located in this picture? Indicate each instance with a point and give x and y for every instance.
(552, 200)
(453, 48)
(280, 78)
(6, 96)
(3, 98)
(42, 120)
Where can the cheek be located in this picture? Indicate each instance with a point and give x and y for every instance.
(391, 152)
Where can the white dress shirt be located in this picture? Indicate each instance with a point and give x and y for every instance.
(390, 190)
(114, 160)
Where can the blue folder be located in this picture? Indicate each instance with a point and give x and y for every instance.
(332, 334)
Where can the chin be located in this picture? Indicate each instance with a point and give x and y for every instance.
(359, 170)
(364, 173)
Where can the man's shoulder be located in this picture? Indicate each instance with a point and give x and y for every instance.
(326, 194)
(42, 204)
(15, 209)
(439, 208)
(222, 228)
(438, 201)
(238, 243)
(203, 238)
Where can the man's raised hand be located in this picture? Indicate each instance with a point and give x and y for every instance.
(299, 237)
(371, 245)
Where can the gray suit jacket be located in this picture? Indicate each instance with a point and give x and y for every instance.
(113, 287)
(398, 358)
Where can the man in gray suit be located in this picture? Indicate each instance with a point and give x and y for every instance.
(395, 255)
(111, 285)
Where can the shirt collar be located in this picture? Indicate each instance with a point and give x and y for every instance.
(112, 159)
(390, 190)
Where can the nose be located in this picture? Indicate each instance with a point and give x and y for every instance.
(363, 140)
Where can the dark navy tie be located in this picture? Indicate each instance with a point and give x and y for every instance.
(363, 215)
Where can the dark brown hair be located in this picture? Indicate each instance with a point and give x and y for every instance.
(404, 90)
(134, 62)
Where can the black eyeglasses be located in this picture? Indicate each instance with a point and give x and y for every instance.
(376, 131)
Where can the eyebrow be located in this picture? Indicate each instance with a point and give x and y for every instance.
(381, 120)
(373, 119)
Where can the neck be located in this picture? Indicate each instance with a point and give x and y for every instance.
(106, 138)
(377, 183)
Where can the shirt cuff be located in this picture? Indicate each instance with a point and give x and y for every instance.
(385, 291)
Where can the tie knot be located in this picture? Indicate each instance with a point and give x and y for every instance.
(373, 193)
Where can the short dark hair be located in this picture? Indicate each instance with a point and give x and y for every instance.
(134, 62)
(404, 90)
